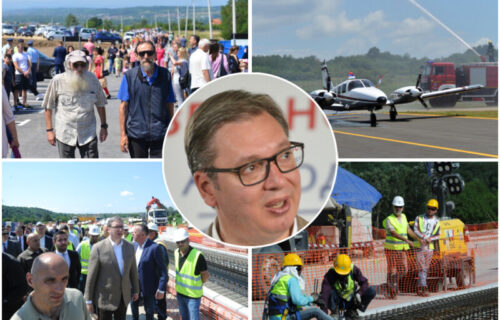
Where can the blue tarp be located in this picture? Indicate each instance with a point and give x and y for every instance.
(355, 192)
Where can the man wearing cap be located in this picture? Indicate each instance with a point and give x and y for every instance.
(190, 274)
(83, 250)
(73, 96)
(345, 288)
(73, 230)
(153, 231)
(22, 65)
(34, 56)
(199, 66)
(127, 235)
(428, 230)
(153, 276)
(7, 46)
(45, 239)
(34, 250)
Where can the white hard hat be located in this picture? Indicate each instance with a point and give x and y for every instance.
(398, 201)
(94, 231)
(71, 222)
(152, 227)
(181, 235)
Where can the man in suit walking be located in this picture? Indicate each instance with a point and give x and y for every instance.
(71, 257)
(112, 279)
(45, 239)
(28, 256)
(152, 275)
(21, 237)
(10, 246)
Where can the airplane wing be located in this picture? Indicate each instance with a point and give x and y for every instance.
(445, 92)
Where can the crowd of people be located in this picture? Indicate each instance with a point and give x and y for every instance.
(168, 67)
(74, 271)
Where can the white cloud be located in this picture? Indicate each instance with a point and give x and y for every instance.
(126, 193)
(109, 205)
(136, 177)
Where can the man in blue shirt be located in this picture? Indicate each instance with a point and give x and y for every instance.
(147, 105)
(34, 57)
(59, 55)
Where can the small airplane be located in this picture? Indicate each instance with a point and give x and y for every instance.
(362, 94)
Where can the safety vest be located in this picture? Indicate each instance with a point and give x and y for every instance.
(85, 256)
(393, 243)
(416, 244)
(70, 246)
(129, 238)
(347, 292)
(75, 233)
(279, 301)
(186, 282)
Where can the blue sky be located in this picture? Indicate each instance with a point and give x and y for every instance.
(13, 4)
(330, 28)
(83, 186)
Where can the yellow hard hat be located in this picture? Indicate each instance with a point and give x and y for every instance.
(433, 203)
(342, 264)
(291, 259)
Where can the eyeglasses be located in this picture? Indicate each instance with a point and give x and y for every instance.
(143, 53)
(255, 172)
(431, 208)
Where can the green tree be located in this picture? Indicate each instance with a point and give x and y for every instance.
(70, 20)
(107, 24)
(95, 22)
(241, 18)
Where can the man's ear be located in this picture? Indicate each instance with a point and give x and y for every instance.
(206, 187)
(29, 280)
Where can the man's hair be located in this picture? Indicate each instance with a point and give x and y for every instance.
(59, 233)
(111, 220)
(143, 42)
(144, 228)
(197, 38)
(213, 113)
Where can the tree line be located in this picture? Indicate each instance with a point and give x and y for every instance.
(477, 203)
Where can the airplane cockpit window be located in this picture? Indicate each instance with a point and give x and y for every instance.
(344, 85)
(355, 84)
(367, 83)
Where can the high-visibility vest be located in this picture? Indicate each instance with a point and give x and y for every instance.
(75, 233)
(186, 282)
(85, 247)
(129, 238)
(70, 246)
(393, 243)
(416, 244)
(347, 292)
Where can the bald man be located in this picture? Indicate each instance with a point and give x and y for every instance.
(28, 256)
(50, 297)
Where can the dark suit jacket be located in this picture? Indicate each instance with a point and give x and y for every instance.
(13, 247)
(14, 286)
(152, 272)
(105, 284)
(75, 269)
(22, 243)
(48, 242)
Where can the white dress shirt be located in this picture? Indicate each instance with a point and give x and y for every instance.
(65, 256)
(117, 248)
(138, 252)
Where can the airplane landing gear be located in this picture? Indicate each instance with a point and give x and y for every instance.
(373, 119)
(393, 113)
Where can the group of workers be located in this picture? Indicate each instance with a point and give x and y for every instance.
(106, 271)
(344, 289)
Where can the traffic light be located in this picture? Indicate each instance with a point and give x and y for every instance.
(442, 168)
(454, 182)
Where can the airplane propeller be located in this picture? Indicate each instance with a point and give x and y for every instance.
(417, 86)
(418, 80)
(423, 102)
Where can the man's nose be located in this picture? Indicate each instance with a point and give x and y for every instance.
(276, 178)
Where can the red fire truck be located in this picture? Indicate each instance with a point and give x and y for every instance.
(444, 75)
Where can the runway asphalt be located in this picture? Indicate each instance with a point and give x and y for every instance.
(414, 136)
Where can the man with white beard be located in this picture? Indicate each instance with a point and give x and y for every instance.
(73, 95)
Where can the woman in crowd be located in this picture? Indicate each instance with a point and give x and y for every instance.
(160, 53)
(234, 62)
(99, 68)
(218, 60)
(181, 70)
(119, 60)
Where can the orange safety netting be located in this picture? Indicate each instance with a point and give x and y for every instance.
(454, 265)
(209, 309)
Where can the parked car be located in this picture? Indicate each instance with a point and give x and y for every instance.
(117, 37)
(86, 33)
(129, 35)
(55, 35)
(46, 67)
(8, 30)
(39, 32)
(25, 32)
(104, 36)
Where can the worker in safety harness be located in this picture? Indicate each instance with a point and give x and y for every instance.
(285, 298)
(345, 289)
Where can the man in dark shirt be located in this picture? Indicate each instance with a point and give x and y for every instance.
(14, 286)
(112, 51)
(59, 55)
(340, 292)
(28, 256)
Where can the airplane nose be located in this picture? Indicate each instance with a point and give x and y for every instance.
(381, 100)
